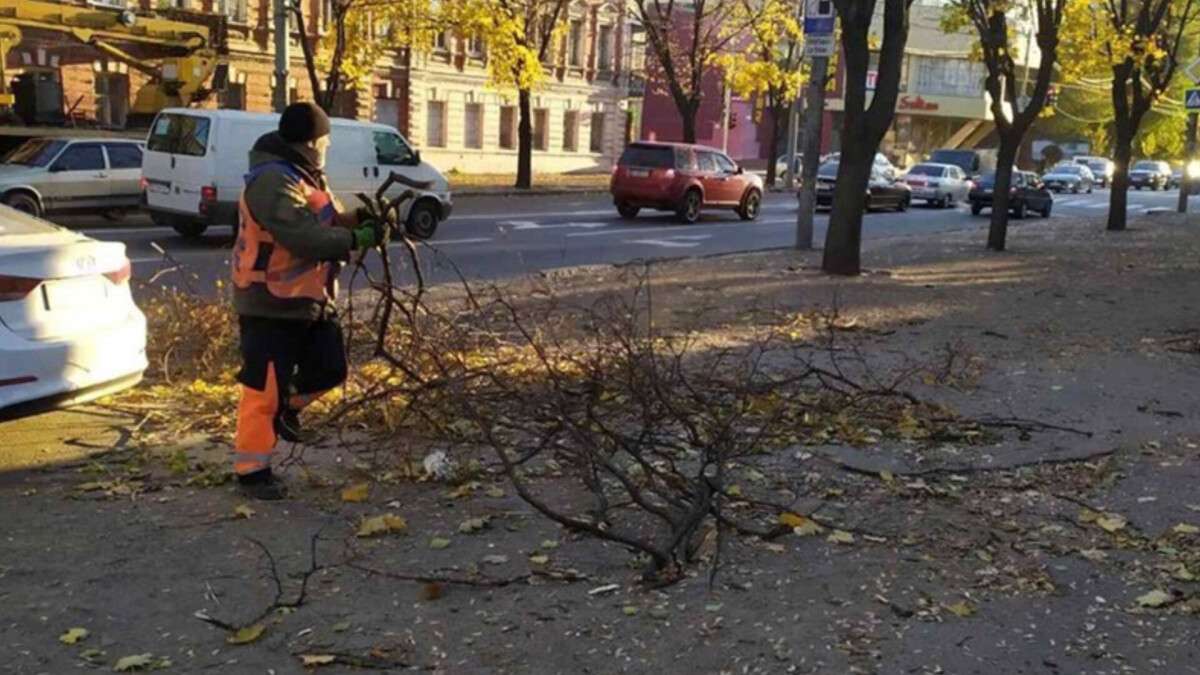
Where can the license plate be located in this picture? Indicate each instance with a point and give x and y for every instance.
(639, 173)
(69, 294)
(158, 188)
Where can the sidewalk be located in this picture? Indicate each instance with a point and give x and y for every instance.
(1069, 548)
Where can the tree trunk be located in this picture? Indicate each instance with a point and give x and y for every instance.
(843, 241)
(772, 139)
(687, 115)
(524, 141)
(1010, 143)
(1118, 195)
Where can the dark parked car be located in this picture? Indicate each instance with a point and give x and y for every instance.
(1150, 174)
(685, 179)
(1026, 194)
(882, 191)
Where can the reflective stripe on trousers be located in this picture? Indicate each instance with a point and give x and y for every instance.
(255, 438)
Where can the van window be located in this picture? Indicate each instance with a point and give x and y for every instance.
(180, 134)
(391, 149)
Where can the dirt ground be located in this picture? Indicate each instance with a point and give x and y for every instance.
(1067, 549)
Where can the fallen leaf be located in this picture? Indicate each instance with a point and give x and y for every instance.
(549, 544)
(73, 635)
(1182, 573)
(494, 559)
(438, 543)
(1184, 528)
(1095, 555)
(495, 493)
(387, 523)
(244, 636)
(1155, 598)
(734, 491)
(243, 511)
(126, 664)
(317, 659)
(887, 476)
(464, 490)
(341, 627)
(962, 609)
(840, 537)
(473, 525)
(629, 610)
(356, 493)
(539, 559)
(93, 656)
(431, 591)
(789, 519)
(1111, 523)
(808, 529)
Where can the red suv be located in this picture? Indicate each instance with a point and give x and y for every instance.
(684, 179)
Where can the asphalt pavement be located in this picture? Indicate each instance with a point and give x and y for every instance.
(495, 237)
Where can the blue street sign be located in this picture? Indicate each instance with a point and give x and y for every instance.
(1191, 100)
(819, 25)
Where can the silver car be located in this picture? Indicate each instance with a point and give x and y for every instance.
(940, 185)
(56, 175)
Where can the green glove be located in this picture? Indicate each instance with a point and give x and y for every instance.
(368, 234)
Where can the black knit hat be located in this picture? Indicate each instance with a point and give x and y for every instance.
(303, 122)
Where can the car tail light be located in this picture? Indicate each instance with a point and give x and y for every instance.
(208, 197)
(616, 168)
(143, 184)
(16, 288)
(669, 173)
(121, 275)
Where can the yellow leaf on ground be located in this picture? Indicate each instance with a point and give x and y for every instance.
(73, 635)
(243, 511)
(887, 476)
(790, 519)
(1184, 528)
(317, 659)
(356, 493)
(840, 537)
(734, 491)
(244, 636)
(134, 662)
(808, 529)
(387, 523)
(1111, 523)
(962, 609)
(1155, 598)
(438, 543)
(539, 559)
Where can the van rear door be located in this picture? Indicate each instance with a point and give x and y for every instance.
(175, 164)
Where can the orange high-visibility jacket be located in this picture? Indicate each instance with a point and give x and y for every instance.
(257, 259)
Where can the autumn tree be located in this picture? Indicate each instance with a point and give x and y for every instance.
(1140, 42)
(863, 126)
(359, 33)
(1014, 113)
(767, 65)
(684, 40)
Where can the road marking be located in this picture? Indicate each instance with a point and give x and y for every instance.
(530, 225)
(526, 216)
(451, 242)
(684, 241)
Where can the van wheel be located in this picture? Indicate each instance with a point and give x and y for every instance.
(422, 220)
(24, 202)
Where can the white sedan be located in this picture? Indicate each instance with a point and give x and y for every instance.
(940, 185)
(69, 330)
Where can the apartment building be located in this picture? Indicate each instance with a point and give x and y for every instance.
(439, 98)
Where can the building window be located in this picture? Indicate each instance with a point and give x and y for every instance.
(237, 11)
(604, 48)
(575, 45)
(435, 125)
(233, 96)
(508, 127)
(441, 41)
(326, 15)
(948, 77)
(571, 131)
(475, 46)
(597, 144)
(473, 126)
(541, 129)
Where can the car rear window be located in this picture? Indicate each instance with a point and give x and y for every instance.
(179, 134)
(13, 221)
(926, 170)
(828, 170)
(1146, 166)
(653, 157)
(35, 152)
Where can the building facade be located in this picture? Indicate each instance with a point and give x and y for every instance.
(439, 99)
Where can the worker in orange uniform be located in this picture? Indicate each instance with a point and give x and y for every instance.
(291, 243)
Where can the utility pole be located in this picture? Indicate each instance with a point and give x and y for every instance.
(789, 182)
(279, 98)
(1190, 156)
(814, 119)
(728, 112)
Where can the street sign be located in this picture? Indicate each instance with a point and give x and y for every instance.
(1193, 71)
(818, 17)
(1191, 100)
(819, 45)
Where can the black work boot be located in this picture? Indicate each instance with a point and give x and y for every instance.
(262, 485)
(287, 427)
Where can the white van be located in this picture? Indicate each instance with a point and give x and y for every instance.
(195, 163)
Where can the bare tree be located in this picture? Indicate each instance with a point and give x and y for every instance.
(863, 127)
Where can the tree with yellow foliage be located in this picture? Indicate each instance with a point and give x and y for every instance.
(1139, 43)
(767, 64)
